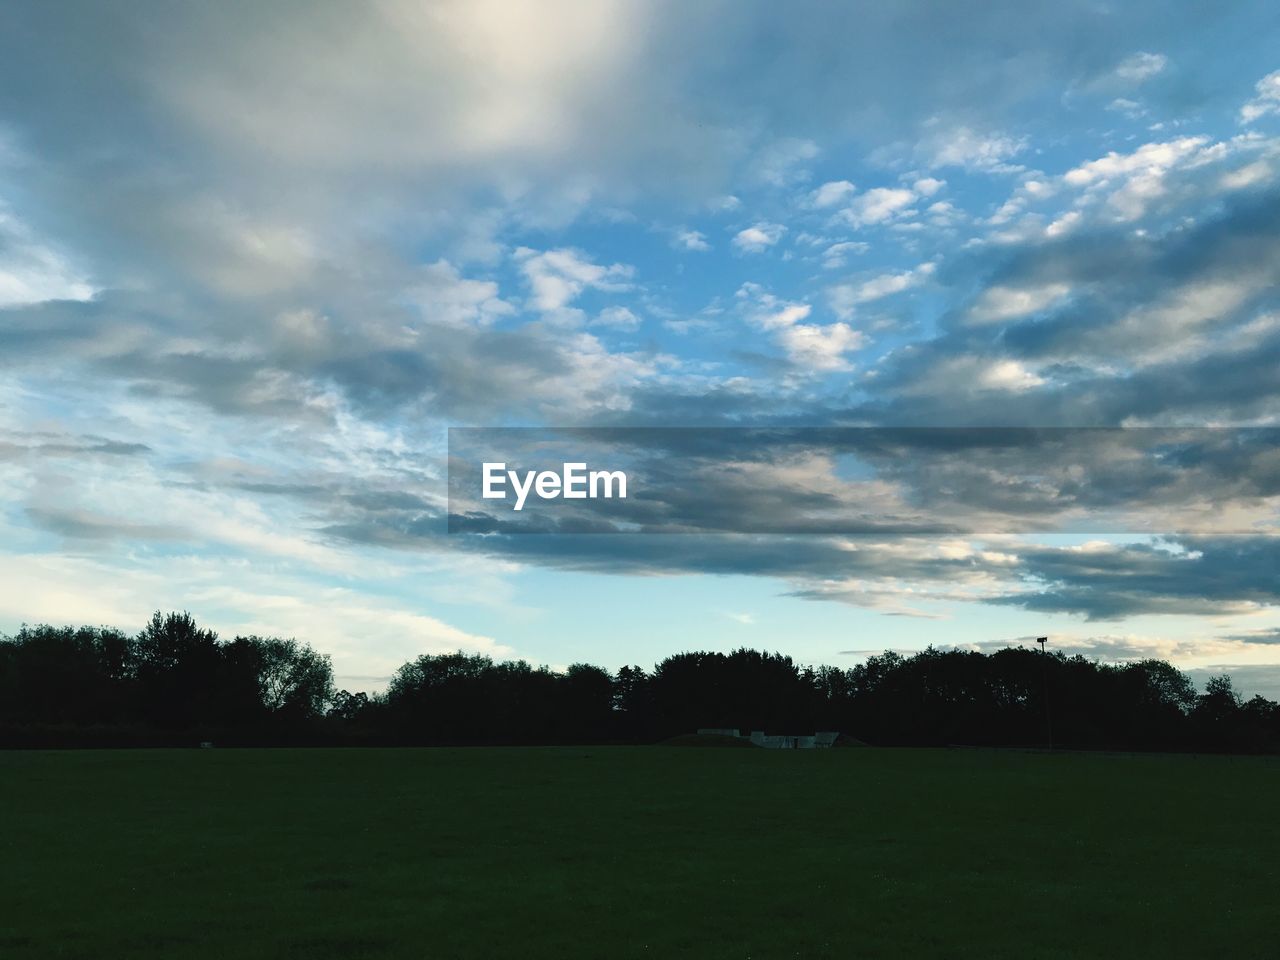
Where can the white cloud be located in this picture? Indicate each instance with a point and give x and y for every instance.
(365, 635)
(443, 296)
(1175, 324)
(774, 314)
(928, 186)
(691, 240)
(846, 296)
(435, 84)
(1148, 158)
(965, 373)
(1130, 108)
(967, 148)
(1000, 303)
(1137, 179)
(1141, 67)
(558, 277)
(820, 348)
(815, 347)
(1267, 100)
(619, 318)
(758, 237)
(878, 205)
(1249, 175)
(31, 272)
(836, 255)
(1064, 224)
(1008, 375)
(831, 194)
(944, 214)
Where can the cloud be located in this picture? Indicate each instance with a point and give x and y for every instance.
(443, 296)
(820, 347)
(558, 277)
(1135, 178)
(1130, 108)
(1251, 175)
(418, 97)
(619, 318)
(1141, 67)
(1159, 177)
(1268, 637)
(1001, 303)
(1117, 324)
(831, 194)
(996, 481)
(812, 347)
(836, 255)
(877, 206)
(781, 163)
(86, 525)
(758, 237)
(1267, 100)
(291, 225)
(963, 375)
(31, 272)
(880, 204)
(1064, 224)
(971, 150)
(691, 240)
(846, 296)
(364, 634)
(1205, 576)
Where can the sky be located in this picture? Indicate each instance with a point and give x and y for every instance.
(257, 258)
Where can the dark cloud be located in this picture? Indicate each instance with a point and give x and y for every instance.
(1187, 575)
(1131, 299)
(85, 525)
(876, 481)
(29, 444)
(1263, 637)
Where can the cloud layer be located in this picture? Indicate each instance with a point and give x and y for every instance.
(256, 258)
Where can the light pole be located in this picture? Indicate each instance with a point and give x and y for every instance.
(1044, 675)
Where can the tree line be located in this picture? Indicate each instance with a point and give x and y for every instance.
(177, 683)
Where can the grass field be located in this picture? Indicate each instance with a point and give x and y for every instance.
(636, 852)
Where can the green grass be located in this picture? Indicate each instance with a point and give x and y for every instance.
(636, 852)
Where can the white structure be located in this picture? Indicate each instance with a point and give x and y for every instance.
(819, 740)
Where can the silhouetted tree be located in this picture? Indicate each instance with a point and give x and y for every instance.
(293, 680)
(175, 679)
(178, 669)
(75, 675)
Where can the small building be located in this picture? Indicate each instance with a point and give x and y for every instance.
(718, 732)
(820, 740)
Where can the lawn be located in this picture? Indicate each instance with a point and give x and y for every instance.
(636, 852)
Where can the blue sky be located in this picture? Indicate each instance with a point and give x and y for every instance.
(255, 259)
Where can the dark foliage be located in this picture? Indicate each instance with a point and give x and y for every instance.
(177, 683)
(172, 683)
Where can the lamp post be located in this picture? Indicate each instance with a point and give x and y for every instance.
(1044, 675)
